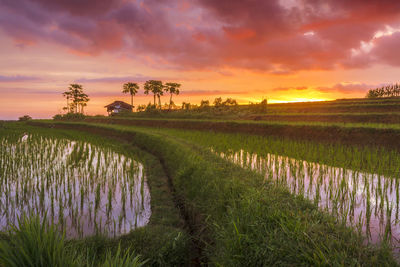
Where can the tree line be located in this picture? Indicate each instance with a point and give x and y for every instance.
(385, 91)
(157, 88)
(77, 99)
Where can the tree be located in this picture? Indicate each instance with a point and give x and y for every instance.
(156, 87)
(217, 101)
(172, 88)
(384, 91)
(25, 118)
(130, 88)
(204, 103)
(229, 102)
(76, 98)
(185, 106)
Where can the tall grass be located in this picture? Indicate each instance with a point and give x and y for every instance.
(34, 242)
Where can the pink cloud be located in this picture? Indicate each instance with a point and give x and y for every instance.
(207, 34)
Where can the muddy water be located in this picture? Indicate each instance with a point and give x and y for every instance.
(82, 188)
(370, 202)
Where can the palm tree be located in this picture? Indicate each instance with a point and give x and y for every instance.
(172, 88)
(156, 87)
(130, 88)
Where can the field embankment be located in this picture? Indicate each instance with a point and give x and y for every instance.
(239, 217)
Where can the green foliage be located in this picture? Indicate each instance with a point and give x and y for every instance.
(120, 259)
(160, 245)
(69, 117)
(34, 243)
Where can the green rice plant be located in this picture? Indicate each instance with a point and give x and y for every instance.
(119, 259)
(34, 243)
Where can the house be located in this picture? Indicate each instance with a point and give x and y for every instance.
(118, 107)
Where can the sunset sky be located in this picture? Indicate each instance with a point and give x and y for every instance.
(283, 50)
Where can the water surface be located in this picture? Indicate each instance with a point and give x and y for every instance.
(370, 202)
(84, 189)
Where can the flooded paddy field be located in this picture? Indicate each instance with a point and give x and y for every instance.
(82, 188)
(242, 205)
(369, 202)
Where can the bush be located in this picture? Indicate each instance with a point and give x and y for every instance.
(25, 118)
(69, 116)
(57, 117)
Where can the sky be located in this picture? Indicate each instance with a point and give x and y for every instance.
(282, 50)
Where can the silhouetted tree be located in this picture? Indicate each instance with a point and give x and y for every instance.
(172, 88)
(385, 91)
(229, 102)
(185, 106)
(204, 103)
(76, 98)
(217, 101)
(130, 88)
(156, 87)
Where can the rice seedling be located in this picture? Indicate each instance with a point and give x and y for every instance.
(80, 185)
(349, 195)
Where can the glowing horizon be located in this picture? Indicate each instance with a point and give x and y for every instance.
(282, 50)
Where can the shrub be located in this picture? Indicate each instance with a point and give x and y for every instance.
(25, 118)
(69, 116)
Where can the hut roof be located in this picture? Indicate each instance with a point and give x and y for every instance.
(119, 104)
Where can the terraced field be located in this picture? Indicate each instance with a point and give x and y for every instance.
(185, 191)
(243, 202)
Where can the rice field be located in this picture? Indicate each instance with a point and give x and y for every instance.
(82, 188)
(368, 202)
(232, 190)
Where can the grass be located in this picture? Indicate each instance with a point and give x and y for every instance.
(373, 135)
(251, 122)
(238, 218)
(352, 160)
(36, 243)
(369, 159)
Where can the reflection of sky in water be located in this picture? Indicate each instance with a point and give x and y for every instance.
(84, 188)
(357, 198)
